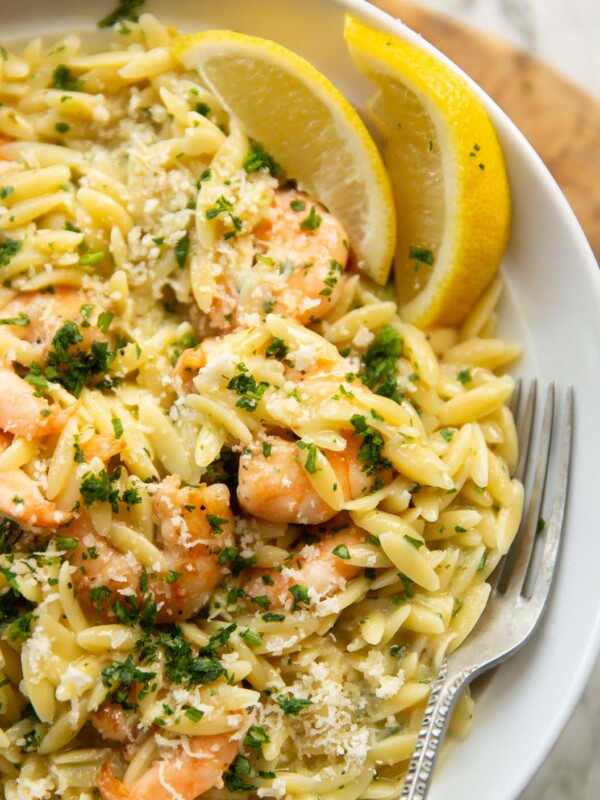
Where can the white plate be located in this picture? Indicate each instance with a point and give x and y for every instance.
(552, 307)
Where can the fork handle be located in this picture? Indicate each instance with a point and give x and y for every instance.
(436, 719)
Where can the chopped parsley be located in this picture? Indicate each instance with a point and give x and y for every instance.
(277, 349)
(258, 158)
(194, 714)
(202, 108)
(223, 206)
(131, 496)
(409, 586)
(262, 601)
(20, 628)
(122, 678)
(458, 604)
(541, 525)
(380, 364)
(227, 555)
(447, 434)
(341, 551)
(62, 127)
(300, 595)
(127, 608)
(5, 191)
(372, 444)
(421, 254)
(66, 542)
(464, 376)
(10, 532)
(312, 221)
(63, 78)
(251, 638)
(181, 250)
(220, 639)
(416, 543)
(235, 777)
(117, 427)
(266, 448)
(255, 737)
(104, 320)
(126, 9)
(272, 616)
(310, 465)
(99, 489)
(230, 556)
(182, 666)
(483, 561)
(246, 386)
(216, 523)
(73, 369)
(21, 319)
(335, 270)
(292, 705)
(297, 205)
(9, 248)
(205, 176)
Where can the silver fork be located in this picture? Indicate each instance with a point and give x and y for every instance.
(518, 599)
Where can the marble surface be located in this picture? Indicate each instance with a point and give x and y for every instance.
(565, 33)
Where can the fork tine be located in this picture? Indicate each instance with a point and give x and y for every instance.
(545, 572)
(524, 418)
(516, 398)
(525, 429)
(517, 560)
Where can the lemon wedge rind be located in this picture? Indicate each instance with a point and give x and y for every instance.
(442, 152)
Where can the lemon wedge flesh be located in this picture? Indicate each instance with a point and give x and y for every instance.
(448, 176)
(309, 127)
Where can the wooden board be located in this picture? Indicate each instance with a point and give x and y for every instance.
(560, 120)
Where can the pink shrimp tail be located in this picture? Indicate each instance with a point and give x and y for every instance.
(111, 788)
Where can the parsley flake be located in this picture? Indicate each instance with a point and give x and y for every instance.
(312, 221)
(300, 595)
(9, 248)
(21, 319)
(292, 705)
(126, 9)
(63, 78)
(181, 250)
(258, 158)
(380, 364)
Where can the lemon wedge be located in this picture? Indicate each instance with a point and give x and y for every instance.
(448, 176)
(309, 127)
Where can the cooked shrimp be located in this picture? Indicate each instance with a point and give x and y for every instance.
(46, 313)
(276, 487)
(193, 524)
(114, 724)
(21, 500)
(24, 413)
(186, 772)
(102, 446)
(191, 361)
(302, 251)
(316, 566)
